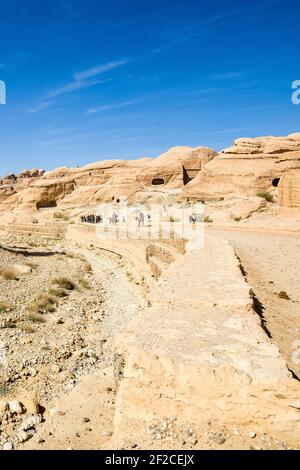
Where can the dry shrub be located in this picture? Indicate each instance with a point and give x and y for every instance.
(88, 268)
(31, 265)
(58, 292)
(64, 283)
(36, 318)
(25, 327)
(84, 283)
(46, 303)
(4, 390)
(265, 195)
(8, 275)
(61, 216)
(4, 307)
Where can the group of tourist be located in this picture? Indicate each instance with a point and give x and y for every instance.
(114, 219)
(91, 219)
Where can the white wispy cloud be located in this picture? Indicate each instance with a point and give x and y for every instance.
(99, 69)
(108, 107)
(81, 80)
(224, 76)
(74, 86)
(40, 106)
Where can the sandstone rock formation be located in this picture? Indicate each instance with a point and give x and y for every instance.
(11, 184)
(289, 193)
(250, 166)
(182, 173)
(105, 181)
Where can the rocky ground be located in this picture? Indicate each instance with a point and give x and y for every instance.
(57, 387)
(45, 354)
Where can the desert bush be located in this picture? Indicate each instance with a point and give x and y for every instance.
(207, 219)
(44, 303)
(265, 195)
(4, 307)
(58, 292)
(36, 317)
(30, 264)
(237, 219)
(64, 283)
(84, 283)
(61, 216)
(8, 275)
(88, 268)
(4, 390)
(49, 299)
(25, 327)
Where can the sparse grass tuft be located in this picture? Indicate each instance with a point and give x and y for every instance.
(46, 303)
(8, 275)
(84, 283)
(36, 317)
(265, 195)
(4, 307)
(61, 216)
(25, 327)
(88, 268)
(4, 390)
(64, 283)
(49, 299)
(58, 292)
(31, 265)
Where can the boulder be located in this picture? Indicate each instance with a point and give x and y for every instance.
(15, 407)
(20, 269)
(244, 209)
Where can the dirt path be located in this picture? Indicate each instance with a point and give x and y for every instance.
(272, 266)
(123, 297)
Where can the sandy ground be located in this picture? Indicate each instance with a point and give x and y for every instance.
(272, 265)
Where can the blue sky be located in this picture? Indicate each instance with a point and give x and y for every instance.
(91, 79)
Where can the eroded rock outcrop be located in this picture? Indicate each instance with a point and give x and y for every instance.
(250, 166)
(105, 181)
(289, 193)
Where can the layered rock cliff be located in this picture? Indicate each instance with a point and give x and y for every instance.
(250, 166)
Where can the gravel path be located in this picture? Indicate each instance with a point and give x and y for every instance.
(272, 266)
(123, 297)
